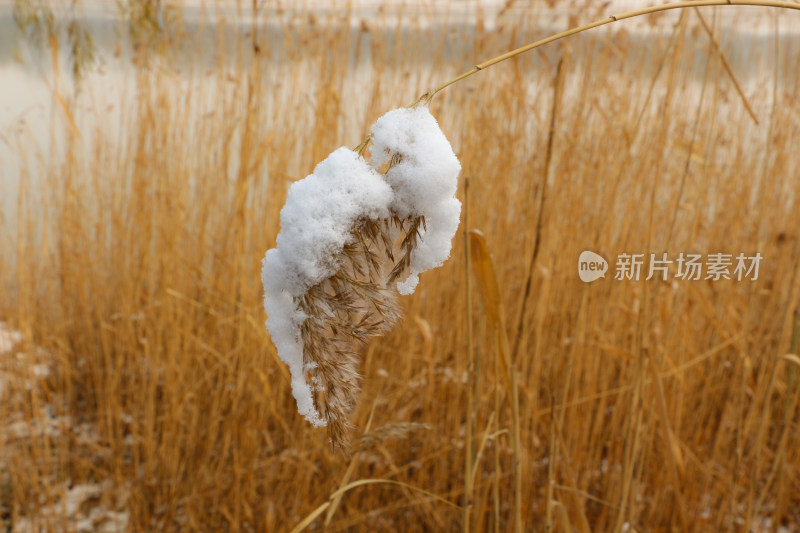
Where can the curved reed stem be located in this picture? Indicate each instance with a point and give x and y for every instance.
(608, 20)
(580, 29)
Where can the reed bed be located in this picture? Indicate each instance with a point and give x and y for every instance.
(510, 394)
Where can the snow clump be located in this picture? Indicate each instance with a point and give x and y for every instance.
(322, 210)
(424, 183)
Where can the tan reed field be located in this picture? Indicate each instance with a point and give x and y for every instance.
(144, 392)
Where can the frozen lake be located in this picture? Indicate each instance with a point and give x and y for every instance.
(34, 89)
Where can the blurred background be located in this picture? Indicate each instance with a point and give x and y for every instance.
(146, 148)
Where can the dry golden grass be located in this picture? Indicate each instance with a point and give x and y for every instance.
(651, 405)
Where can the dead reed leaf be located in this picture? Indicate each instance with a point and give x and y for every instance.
(791, 358)
(490, 293)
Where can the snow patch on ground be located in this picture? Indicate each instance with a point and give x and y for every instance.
(8, 338)
(80, 508)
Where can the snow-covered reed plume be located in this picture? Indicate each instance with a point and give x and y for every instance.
(351, 238)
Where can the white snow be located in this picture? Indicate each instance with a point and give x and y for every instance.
(8, 338)
(320, 210)
(424, 182)
(82, 508)
(318, 215)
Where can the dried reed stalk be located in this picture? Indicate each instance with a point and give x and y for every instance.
(602, 22)
(489, 290)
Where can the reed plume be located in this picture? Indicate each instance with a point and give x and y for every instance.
(353, 236)
(347, 309)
